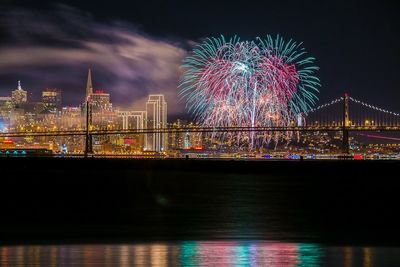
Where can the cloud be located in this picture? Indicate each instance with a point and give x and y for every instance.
(55, 50)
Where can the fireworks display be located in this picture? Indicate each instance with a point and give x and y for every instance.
(267, 82)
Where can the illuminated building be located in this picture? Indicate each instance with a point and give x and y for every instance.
(47, 119)
(156, 108)
(17, 118)
(6, 106)
(102, 114)
(134, 120)
(89, 92)
(184, 140)
(19, 96)
(7, 143)
(71, 118)
(176, 140)
(194, 139)
(100, 101)
(51, 99)
(33, 107)
(34, 112)
(4, 100)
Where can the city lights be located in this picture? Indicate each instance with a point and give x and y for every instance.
(104, 129)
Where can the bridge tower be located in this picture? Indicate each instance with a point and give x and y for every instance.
(346, 124)
(88, 136)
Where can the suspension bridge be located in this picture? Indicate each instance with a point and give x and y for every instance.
(345, 114)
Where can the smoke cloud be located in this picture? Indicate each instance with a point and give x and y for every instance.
(55, 50)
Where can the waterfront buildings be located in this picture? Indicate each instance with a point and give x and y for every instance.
(178, 140)
(20, 114)
(156, 108)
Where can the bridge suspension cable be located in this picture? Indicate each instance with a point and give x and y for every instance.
(364, 114)
(328, 114)
(327, 104)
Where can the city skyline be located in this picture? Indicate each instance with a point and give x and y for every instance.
(270, 81)
(20, 94)
(49, 115)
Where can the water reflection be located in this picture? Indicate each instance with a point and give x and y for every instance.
(215, 253)
(367, 257)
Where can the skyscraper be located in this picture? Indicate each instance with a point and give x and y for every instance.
(85, 106)
(19, 96)
(51, 99)
(100, 101)
(6, 107)
(156, 108)
(101, 109)
(135, 120)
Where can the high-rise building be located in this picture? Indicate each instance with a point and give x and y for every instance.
(101, 111)
(100, 101)
(89, 92)
(135, 120)
(156, 108)
(51, 99)
(6, 107)
(19, 96)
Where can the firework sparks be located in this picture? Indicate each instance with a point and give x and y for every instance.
(267, 82)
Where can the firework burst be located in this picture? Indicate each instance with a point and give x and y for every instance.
(267, 82)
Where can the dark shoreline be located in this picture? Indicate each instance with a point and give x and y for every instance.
(60, 200)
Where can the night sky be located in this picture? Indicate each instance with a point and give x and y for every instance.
(136, 47)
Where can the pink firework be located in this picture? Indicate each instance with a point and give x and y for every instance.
(266, 83)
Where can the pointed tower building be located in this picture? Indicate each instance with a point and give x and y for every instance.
(89, 85)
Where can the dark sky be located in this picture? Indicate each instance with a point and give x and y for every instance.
(355, 43)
